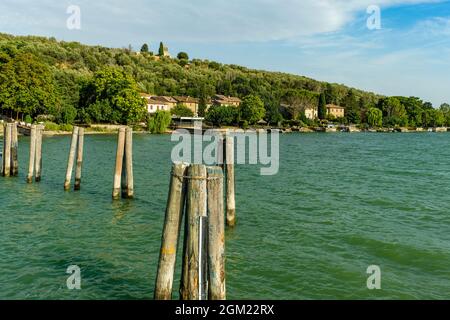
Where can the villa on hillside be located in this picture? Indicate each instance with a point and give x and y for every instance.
(166, 103)
(191, 103)
(154, 104)
(222, 100)
(335, 110)
(311, 113)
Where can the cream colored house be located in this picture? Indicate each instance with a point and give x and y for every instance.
(191, 103)
(311, 113)
(337, 111)
(222, 100)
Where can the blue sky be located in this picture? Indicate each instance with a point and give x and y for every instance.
(323, 39)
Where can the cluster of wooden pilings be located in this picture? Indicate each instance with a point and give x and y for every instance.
(123, 173)
(10, 162)
(196, 192)
(76, 147)
(35, 164)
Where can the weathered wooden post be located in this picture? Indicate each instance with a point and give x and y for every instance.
(220, 149)
(7, 150)
(216, 234)
(32, 154)
(171, 231)
(229, 169)
(73, 147)
(14, 150)
(129, 192)
(196, 208)
(3, 149)
(38, 158)
(119, 163)
(79, 166)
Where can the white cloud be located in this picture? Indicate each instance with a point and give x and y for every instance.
(196, 20)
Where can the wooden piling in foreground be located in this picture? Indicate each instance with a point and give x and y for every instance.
(70, 161)
(229, 170)
(38, 158)
(7, 150)
(79, 166)
(195, 208)
(32, 154)
(119, 163)
(171, 231)
(129, 185)
(14, 151)
(216, 234)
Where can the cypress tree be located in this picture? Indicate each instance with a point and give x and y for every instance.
(322, 109)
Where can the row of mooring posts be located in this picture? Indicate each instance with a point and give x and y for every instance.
(197, 194)
(10, 162)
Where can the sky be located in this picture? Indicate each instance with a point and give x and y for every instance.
(326, 40)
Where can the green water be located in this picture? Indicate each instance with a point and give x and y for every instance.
(340, 203)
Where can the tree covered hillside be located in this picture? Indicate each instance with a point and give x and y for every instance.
(74, 82)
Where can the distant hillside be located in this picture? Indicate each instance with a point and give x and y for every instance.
(72, 60)
(56, 77)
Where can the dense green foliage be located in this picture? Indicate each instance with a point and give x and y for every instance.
(222, 115)
(112, 97)
(72, 82)
(375, 117)
(182, 111)
(252, 109)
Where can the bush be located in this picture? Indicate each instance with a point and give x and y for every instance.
(28, 119)
(182, 111)
(222, 115)
(66, 127)
(243, 124)
(51, 126)
(159, 122)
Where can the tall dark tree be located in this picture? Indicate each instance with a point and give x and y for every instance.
(161, 49)
(144, 48)
(322, 108)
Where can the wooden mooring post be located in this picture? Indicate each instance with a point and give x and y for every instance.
(38, 157)
(123, 172)
(79, 159)
(216, 235)
(32, 154)
(196, 207)
(6, 156)
(14, 150)
(73, 147)
(171, 231)
(229, 173)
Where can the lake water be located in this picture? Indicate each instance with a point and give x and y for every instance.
(340, 203)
